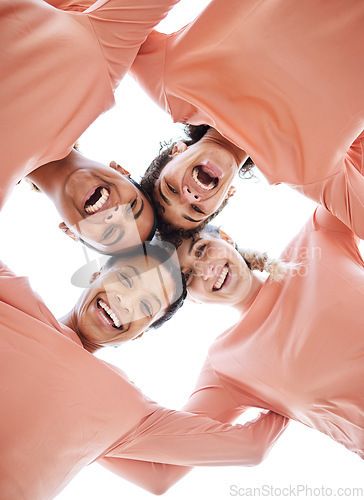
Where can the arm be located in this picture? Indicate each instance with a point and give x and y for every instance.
(76, 6)
(343, 193)
(216, 445)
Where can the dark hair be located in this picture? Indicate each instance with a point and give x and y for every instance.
(163, 253)
(165, 230)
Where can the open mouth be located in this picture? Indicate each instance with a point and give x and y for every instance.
(204, 177)
(221, 278)
(109, 315)
(97, 200)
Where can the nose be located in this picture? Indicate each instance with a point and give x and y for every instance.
(114, 215)
(205, 270)
(124, 305)
(188, 196)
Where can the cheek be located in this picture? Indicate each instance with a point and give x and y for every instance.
(144, 226)
(199, 292)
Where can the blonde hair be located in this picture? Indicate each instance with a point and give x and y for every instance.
(258, 261)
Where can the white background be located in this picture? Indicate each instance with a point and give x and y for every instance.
(166, 362)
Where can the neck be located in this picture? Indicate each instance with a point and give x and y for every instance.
(70, 320)
(51, 176)
(256, 284)
(215, 136)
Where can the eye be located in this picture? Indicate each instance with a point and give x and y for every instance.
(196, 209)
(171, 188)
(146, 308)
(200, 250)
(125, 280)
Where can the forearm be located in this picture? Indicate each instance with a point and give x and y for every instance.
(154, 477)
(187, 439)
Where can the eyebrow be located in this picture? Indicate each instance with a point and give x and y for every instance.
(139, 212)
(164, 198)
(192, 245)
(190, 218)
(158, 302)
(136, 272)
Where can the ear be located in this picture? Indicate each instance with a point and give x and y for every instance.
(138, 337)
(226, 237)
(231, 192)
(119, 168)
(179, 148)
(66, 230)
(95, 275)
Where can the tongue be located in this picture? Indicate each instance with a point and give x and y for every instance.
(204, 177)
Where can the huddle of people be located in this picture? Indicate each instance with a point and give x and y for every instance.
(276, 85)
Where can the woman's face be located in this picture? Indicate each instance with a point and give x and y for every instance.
(105, 209)
(124, 300)
(215, 272)
(197, 180)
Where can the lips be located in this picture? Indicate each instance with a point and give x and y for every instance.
(96, 199)
(206, 176)
(109, 315)
(222, 278)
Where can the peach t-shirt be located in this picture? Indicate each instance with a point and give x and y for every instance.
(281, 79)
(298, 349)
(62, 408)
(58, 73)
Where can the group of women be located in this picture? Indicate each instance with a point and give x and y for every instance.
(277, 84)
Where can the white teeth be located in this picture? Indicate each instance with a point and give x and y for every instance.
(112, 315)
(91, 209)
(207, 187)
(219, 282)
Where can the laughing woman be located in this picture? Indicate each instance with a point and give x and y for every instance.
(59, 71)
(62, 408)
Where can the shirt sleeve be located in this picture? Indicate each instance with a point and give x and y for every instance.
(121, 27)
(75, 6)
(343, 193)
(176, 436)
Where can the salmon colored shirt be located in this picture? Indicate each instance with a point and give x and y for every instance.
(62, 408)
(298, 348)
(58, 73)
(281, 79)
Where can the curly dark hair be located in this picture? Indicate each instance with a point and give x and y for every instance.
(162, 252)
(165, 230)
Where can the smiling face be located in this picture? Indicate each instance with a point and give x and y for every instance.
(123, 301)
(197, 179)
(105, 209)
(215, 272)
